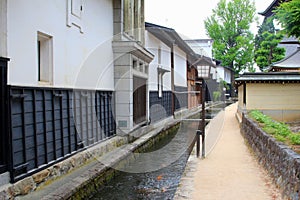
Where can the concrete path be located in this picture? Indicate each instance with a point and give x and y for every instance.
(229, 171)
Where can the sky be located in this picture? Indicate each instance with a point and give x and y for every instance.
(187, 17)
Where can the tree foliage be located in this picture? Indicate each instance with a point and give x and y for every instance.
(266, 49)
(229, 27)
(268, 26)
(288, 14)
(269, 52)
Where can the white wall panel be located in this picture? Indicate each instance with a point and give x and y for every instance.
(74, 52)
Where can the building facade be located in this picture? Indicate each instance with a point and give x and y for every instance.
(71, 73)
(275, 94)
(168, 71)
(160, 88)
(75, 73)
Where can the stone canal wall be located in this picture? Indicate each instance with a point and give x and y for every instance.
(50, 174)
(82, 173)
(282, 163)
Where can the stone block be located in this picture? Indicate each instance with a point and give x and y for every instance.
(22, 187)
(4, 196)
(41, 176)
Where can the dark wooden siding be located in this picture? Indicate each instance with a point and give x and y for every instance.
(181, 97)
(160, 107)
(211, 87)
(48, 125)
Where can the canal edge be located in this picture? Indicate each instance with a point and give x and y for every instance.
(86, 178)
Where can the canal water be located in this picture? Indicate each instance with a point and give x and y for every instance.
(163, 166)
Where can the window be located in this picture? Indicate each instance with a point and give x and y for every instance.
(45, 57)
(135, 65)
(74, 13)
(142, 67)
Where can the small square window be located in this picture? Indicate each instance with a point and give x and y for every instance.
(142, 67)
(135, 64)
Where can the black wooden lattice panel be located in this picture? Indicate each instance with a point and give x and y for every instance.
(160, 107)
(48, 125)
(181, 97)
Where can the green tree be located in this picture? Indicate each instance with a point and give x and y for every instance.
(229, 27)
(288, 15)
(268, 26)
(268, 51)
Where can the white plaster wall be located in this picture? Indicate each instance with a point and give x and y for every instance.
(202, 47)
(80, 59)
(214, 73)
(153, 44)
(207, 47)
(224, 74)
(3, 28)
(227, 75)
(221, 72)
(180, 74)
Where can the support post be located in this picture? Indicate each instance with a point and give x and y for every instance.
(198, 133)
(203, 117)
(202, 124)
(4, 117)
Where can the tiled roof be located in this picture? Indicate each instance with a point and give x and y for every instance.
(269, 11)
(289, 40)
(292, 61)
(269, 77)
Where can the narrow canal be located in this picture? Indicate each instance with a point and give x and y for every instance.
(159, 171)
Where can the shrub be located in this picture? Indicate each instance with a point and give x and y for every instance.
(260, 117)
(280, 138)
(295, 138)
(279, 130)
(217, 95)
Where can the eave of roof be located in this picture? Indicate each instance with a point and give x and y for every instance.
(269, 11)
(170, 37)
(204, 61)
(269, 77)
(290, 40)
(199, 40)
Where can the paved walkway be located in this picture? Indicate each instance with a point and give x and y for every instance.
(229, 171)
